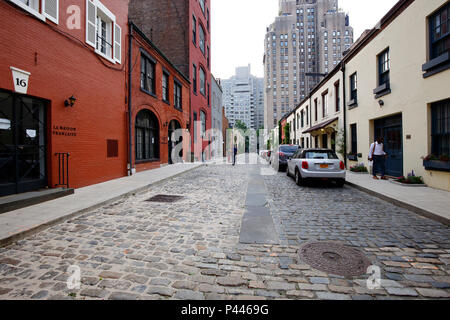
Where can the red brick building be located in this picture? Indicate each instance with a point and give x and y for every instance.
(159, 104)
(52, 51)
(181, 29)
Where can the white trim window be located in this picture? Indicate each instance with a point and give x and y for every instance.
(102, 32)
(41, 9)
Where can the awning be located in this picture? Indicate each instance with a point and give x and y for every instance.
(321, 126)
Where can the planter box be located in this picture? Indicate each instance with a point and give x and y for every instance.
(407, 184)
(437, 165)
(358, 172)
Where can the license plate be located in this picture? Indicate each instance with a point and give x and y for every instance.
(324, 166)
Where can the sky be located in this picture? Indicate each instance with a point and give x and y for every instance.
(238, 28)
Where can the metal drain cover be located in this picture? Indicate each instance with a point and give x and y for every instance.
(334, 258)
(165, 198)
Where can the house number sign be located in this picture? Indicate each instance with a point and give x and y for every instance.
(20, 78)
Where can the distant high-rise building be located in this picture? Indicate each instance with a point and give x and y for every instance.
(243, 98)
(306, 40)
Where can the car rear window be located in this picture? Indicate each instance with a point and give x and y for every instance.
(288, 149)
(320, 155)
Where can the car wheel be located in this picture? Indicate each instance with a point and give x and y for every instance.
(298, 178)
(340, 183)
(287, 171)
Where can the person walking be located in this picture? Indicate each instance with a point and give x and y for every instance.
(378, 156)
(235, 149)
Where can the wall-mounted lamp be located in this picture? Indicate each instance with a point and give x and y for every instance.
(381, 103)
(70, 102)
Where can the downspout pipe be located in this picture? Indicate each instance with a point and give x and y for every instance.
(344, 106)
(130, 113)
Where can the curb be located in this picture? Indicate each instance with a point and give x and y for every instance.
(38, 228)
(398, 203)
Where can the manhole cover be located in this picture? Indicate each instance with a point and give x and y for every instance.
(334, 258)
(165, 198)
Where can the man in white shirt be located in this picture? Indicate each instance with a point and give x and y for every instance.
(378, 156)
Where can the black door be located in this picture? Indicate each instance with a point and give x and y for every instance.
(391, 129)
(325, 141)
(22, 144)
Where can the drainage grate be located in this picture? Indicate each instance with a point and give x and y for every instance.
(165, 198)
(334, 258)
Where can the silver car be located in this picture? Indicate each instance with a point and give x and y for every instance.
(319, 164)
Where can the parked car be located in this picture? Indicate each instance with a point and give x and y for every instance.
(280, 157)
(322, 164)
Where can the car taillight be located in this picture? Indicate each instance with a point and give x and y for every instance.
(281, 154)
(342, 165)
(305, 165)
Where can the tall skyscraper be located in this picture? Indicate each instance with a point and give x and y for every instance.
(307, 39)
(243, 98)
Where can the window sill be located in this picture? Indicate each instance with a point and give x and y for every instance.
(35, 13)
(166, 102)
(149, 93)
(105, 56)
(436, 62)
(147, 161)
(352, 104)
(382, 90)
(179, 109)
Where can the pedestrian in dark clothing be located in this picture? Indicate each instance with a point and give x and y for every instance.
(378, 156)
(235, 148)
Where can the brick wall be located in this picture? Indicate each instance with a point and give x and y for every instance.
(165, 23)
(62, 65)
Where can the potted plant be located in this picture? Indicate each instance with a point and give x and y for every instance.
(359, 168)
(439, 163)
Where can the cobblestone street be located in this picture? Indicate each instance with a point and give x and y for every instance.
(189, 249)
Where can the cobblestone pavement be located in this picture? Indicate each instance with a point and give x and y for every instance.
(135, 249)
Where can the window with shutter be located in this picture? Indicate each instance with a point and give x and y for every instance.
(117, 43)
(51, 10)
(31, 6)
(91, 28)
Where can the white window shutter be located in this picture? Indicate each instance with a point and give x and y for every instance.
(117, 43)
(91, 25)
(51, 10)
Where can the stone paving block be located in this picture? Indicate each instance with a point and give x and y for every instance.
(162, 291)
(300, 294)
(208, 288)
(401, 291)
(332, 296)
(274, 285)
(123, 296)
(340, 289)
(433, 293)
(182, 284)
(231, 281)
(110, 275)
(94, 293)
(188, 295)
(256, 285)
(312, 287)
(319, 280)
(136, 278)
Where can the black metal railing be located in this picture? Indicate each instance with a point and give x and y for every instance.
(63, 169)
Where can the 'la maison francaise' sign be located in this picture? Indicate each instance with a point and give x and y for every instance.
(64, 131)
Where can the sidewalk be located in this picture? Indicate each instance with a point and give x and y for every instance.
(15, 225)
(425, 201)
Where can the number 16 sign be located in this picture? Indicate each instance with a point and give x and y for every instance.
(20, 79)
